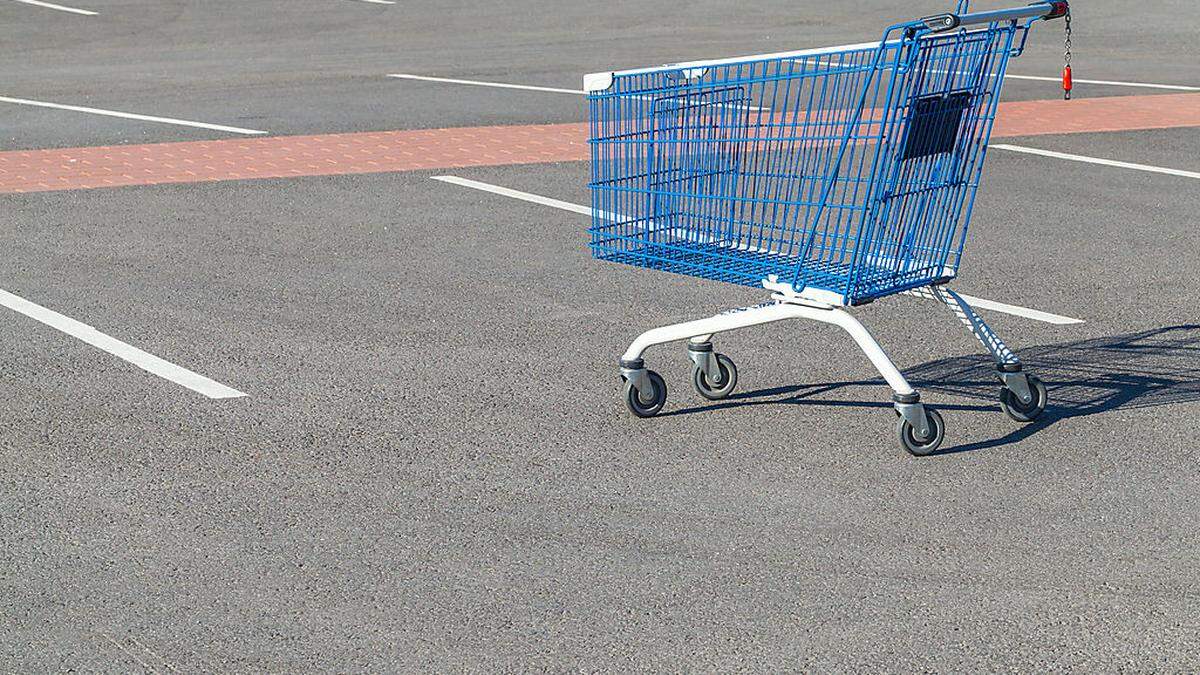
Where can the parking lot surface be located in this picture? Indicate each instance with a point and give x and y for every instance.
(388, 433)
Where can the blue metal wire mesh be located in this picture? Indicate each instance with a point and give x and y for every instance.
(851, 170)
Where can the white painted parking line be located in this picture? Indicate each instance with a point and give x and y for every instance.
(526, 87)
(981, 303)
(379, 2)
(1095, 160)
(505, 85)
(1017, 310)
(50, 5)
(516, 194)
(478, 83)
(1111, 83)
(130, 116)
(148, 362)
(1039, 78)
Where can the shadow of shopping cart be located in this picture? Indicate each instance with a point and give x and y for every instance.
(1143, 369)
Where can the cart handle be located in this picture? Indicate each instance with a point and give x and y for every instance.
(940, 23)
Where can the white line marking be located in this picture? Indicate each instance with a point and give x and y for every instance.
(1017, 310)
(516, 194)
(148, 362)
(981, 303)
(130, 116)
(50, 5)
(1096, 160)
(528, 87)
(501, 85)
(379, 2)
(1113, 83)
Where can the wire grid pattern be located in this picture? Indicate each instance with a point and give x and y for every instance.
(851, 171)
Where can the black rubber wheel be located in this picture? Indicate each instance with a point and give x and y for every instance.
(647, 406)
(1012, 406)
(715, 391)
(922, 446)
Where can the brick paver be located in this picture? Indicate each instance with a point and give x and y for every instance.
(410, 150)
(1083, 115)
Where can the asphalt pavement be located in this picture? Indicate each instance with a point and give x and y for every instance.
(432, 469)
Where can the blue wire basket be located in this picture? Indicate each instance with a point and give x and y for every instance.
(845, 173)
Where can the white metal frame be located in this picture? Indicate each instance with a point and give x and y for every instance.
(785, 305)
(1008, 366)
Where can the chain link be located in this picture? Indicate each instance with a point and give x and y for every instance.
(1067, 40)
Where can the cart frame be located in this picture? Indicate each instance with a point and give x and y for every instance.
(917, 247)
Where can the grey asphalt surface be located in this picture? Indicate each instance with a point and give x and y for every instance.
(320, 66)
(433, 471)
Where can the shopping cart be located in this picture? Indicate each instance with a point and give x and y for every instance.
(832, 177)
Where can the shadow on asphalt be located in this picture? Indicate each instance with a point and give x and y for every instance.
(1086, 377)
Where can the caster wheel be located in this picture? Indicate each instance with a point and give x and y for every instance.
(922, 446)
(715, 391)
(647, 403)
(1012, 406)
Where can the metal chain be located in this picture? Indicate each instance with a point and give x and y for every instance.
(1067, 41)
(1067, 58)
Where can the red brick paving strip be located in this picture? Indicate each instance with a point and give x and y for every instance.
(1084, 115)
(388, 151)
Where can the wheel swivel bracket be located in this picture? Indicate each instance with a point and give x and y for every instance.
(1018, 383)
(638, 377)
(913, 412)
(704, 358)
